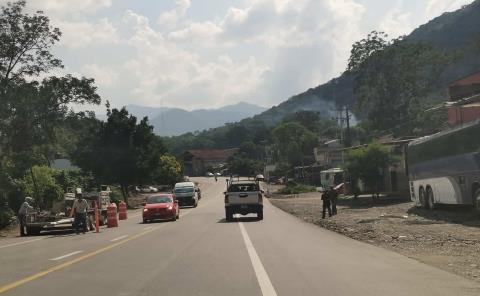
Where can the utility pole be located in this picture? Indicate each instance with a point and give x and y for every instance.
(348, 142)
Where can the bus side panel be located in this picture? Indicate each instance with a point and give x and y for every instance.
(445, 190)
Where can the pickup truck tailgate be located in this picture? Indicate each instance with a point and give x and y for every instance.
(243, 197)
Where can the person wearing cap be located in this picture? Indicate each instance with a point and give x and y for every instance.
(80, 207)
(22, 213)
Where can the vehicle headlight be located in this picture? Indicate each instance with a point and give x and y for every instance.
(145, 210)
(170, 207)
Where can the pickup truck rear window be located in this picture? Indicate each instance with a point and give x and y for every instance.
(243, 188)
(184, 190)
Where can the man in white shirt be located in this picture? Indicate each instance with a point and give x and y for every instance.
(22, 214)
(80, 207)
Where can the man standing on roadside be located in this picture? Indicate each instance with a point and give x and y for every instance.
(326, 204)
(333, 200)
(22, 214)
(80, 207)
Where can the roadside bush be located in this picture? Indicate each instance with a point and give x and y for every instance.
(6, 216)
(293, 187)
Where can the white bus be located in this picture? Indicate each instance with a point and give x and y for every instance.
(445, 168)
(331, 177)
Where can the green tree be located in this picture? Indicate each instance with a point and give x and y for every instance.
(368, 163)
(393, 79)
(121, 151)
(242, 165)
(294, 142)
(41, 184)
(25, 43)
(169, 171)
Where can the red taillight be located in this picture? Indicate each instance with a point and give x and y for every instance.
(260, 198)
(226, 198)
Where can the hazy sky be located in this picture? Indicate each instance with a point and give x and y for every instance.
(210, 53)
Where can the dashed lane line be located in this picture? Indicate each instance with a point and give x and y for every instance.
(119, 238)
(41, 274)
(66, 256)
(22, 243)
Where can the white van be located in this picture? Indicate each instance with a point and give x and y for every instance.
(186, 193)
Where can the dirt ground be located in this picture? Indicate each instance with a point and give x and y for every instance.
(448, 238)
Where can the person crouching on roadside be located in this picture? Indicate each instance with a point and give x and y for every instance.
(22, 214)
(80, 207)
(326, 203)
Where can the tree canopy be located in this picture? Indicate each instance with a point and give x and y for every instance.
(393, 79)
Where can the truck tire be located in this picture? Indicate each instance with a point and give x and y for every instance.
(430, 199)
(228, 215)
(195, 204)
(422, 198)
(260, 214)
(476, 201)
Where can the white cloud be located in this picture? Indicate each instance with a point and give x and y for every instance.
(78, 34)
(62, 7)
(397, 22)
(197, 32)
(170, 19)
(261, 51)
(437, 7)
(104, 76)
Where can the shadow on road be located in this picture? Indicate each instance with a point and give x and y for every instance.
(240, 219)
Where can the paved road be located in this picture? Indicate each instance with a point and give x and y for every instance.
(201, 254)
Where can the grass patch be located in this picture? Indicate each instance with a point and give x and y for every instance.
(296, 188)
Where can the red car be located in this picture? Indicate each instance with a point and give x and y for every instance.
(161, 207)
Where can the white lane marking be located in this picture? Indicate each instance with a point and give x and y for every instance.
(66, 255)
(119, 238)
(21, 243)
(262, 276)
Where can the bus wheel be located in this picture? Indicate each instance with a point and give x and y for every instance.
(430, 199)
(476, 200)
(421, 197)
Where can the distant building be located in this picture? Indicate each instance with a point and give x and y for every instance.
(197, 162)
(329, 154)
(62, 164)
(464, 100)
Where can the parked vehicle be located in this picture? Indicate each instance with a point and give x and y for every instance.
(218, 174)
(260, 177)
(187, 194)
(209, 174)
(148, 189)
(445, 168)
(161, 207)
(243, 197)
(58, 216)
(331, 177)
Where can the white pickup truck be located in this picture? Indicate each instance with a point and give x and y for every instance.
(243, 197)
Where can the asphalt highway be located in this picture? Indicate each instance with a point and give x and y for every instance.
(202, 254)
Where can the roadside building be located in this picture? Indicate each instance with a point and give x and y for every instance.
(197, 162)
(463, 105)
(329, 154)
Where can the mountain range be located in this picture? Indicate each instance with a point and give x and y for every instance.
(175, 121)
